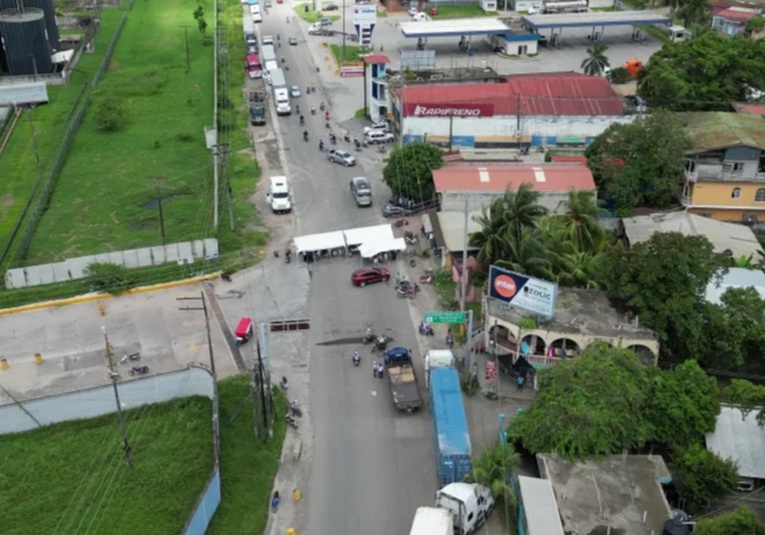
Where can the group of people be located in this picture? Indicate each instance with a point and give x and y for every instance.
(378, 369)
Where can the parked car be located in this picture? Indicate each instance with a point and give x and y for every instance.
(325, 21)
(391, 210)
(377, 136)
(341, 157)
(294, 91)
(316, 29)
(292, 41)
(331, 7)
(381, 126)
(268, 39)
(362, 277)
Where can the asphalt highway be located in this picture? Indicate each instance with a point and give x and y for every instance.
(372, 466)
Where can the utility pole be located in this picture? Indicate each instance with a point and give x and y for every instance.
(114, 376)
(463, 279)
(207, 326)
(186, 40)
(161, 216)
(342, 50)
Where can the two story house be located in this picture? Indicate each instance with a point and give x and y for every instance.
(725, 170)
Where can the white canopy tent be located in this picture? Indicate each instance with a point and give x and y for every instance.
(320, 242)
(370, 249)
(365, 235)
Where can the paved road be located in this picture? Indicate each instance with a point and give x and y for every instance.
(372, 467)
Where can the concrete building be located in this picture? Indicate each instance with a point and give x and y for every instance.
(611, 494)
(728, 238)
(475, 187)
(582, 317)
(725, 170)
(376, 86)
(732, 20)
(538, 110)
(741, 439)
(735, 278)
(537, 508)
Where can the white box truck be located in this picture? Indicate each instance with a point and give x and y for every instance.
(267, 53)
(432, 521)
(437, 358)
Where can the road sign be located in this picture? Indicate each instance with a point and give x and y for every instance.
(457, 316)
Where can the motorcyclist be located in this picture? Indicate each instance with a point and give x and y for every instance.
(356, 357)
(313, 110)
(297, 109)
(321, 106)
(321, 145)
(326, 116)
(302, 120)
(305, 135)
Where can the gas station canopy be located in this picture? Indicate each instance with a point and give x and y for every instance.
(454, 27)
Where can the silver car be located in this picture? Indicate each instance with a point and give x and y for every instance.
(342, 157)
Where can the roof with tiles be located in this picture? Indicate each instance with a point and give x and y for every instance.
(564, 93)
(721, 130)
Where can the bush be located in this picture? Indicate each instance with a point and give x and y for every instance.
(110, 278)
(110, 114)
(704, 477)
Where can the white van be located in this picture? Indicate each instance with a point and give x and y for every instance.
(437, 358)
(278, 195)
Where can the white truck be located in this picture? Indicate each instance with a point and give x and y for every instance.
(282, 99)
(432, 521)
(437, 358)
(267, 53)
(470, 505)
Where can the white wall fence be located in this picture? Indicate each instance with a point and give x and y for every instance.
(74, 268)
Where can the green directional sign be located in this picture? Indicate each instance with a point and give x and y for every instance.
(457, 316)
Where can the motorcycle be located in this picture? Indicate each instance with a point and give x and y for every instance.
(290, 420)
(294, 409)
(426, 329)
(321, 146)
(226, 277)
(313, 111)
(283, 384)
(305, 135)
(400, 223)
(139, 370)
(356, 358)
(333, 139)
(327, 125)
(287, 256)
(302, 120)
(426, 279)
(381, 343)
(347, 137)
(133, 357)
(321, 106)
(297, 109)
(369, 336)
(358, 146)
(410, 238)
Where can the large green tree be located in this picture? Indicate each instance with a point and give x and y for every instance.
(663, 281)
(641, 163)
(703, 74)
(606, 401)
(741, 521)
(409, 171)
(736, 329)
(703, 476)
(747, 397)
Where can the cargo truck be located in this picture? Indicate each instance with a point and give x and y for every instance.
(257, 108)
(437, 358)
(470, 505)
(402, 379)
(432, 521)
(452, 439)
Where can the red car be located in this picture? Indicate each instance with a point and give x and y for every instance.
(364, 276)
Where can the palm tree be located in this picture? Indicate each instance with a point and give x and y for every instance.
(528, 255)
(595, 62)
(493, 469)
(580, 269)
(490, 240)
(521, 209)
(581, 221)
(695, 12)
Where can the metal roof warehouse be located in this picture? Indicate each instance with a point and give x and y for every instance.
(550, 177)
(557, 94)
(454, 28)
(595, 18)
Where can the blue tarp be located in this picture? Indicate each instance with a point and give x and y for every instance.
(449, 412)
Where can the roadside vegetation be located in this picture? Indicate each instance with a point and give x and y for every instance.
(248, 467)
(352, 53)
(309, 14)
(72, 477)
(142, 136)
(458, 12)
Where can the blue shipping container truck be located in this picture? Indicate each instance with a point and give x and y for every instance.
(453, 452)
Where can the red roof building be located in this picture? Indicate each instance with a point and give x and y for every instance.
(581, 160)
(485, 183)
(548, 94)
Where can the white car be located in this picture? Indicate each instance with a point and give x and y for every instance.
(380, 126)
(294, 91)
(268, 39)
(413, 11)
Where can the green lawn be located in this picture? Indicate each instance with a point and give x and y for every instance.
(72, 478)
(105, 197)
(352, 53)
(19, 163)
(247, 467)
(459, 12)
(311, 15)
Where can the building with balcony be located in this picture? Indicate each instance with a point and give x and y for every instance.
(725, 169)
(733, 20)
(376, 99)
(582, 317)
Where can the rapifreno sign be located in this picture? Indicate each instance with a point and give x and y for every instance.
(448, 110)
(532, 295)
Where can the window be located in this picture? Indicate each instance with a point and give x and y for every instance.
(736, 193)
(738, 166)
(760, 195)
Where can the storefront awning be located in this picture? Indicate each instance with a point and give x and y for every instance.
(370, 249)
(320, 242)
(357, 236)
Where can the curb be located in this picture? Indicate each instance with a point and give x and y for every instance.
(96, 297)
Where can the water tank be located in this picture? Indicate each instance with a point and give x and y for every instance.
(25, 41)
(50, 17)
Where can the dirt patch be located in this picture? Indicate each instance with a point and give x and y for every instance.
(7, 200)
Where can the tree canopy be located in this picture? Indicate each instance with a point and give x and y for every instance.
(702, 476)
(606, 401)
(703, 74)
(641, 163)
(747, 396)
(408, 172)
(741, 521)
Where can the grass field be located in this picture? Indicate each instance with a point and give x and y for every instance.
(72, 478)
(352, 52)
(19, 163)
(460, 12)
(311, 15)
(247, 467)
(105, 198)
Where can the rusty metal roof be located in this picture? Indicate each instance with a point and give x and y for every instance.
(721, 130)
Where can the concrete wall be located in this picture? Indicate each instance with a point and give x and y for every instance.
(92, 402)
(555, 201)
(75, 268)
(206, 507)
(537, 130)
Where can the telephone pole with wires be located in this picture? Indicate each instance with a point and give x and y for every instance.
(115, 376)
(203, 308)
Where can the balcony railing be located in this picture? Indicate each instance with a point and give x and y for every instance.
(505, 346)
(723, 175)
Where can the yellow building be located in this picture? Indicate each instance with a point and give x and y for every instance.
(725, 171)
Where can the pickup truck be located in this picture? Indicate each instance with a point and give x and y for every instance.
(257, 108)
(403, 380)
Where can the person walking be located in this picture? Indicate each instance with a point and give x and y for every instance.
(520, 382)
